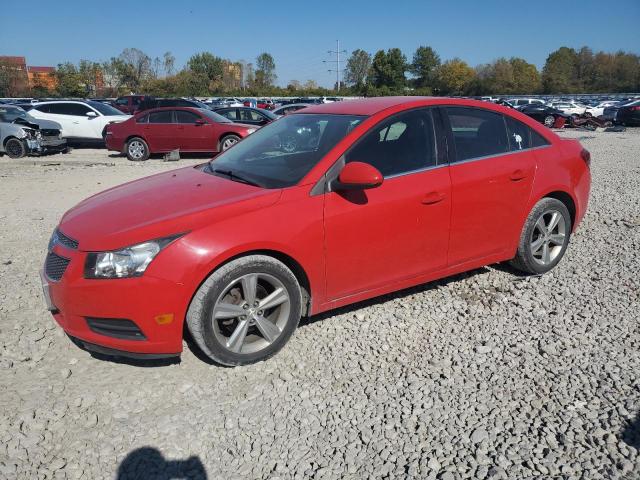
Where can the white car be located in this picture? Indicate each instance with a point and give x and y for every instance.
(81, 120)
(519, 102)
(598, 110)
(570, 108)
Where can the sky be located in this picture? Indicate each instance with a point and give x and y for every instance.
(300, 33)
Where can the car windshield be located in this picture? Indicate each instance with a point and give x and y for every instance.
(10, 114)
(282, 153)
(104, 109)
(216, 117)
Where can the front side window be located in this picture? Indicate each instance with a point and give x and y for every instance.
(229, 113)
(280, 154)
(122, 101)
(250, 116)
(183, 116)
(477, 132)
(164, 116)
(402, 144)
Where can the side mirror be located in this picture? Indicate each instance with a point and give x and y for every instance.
(200, 121)
(357, 176)
(92, 114)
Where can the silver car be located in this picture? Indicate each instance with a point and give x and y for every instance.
(22, 135)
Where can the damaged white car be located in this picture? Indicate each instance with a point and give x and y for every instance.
(22, 135)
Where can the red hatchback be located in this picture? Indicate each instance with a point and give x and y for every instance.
(162, 130)
(328, 206)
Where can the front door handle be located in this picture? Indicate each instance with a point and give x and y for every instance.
(517, 176)
(433, 197)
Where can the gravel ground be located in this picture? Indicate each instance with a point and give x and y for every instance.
(483, 375)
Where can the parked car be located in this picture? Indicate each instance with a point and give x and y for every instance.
(22, 135)
(266, 104)
(628, 114)
(519, 102)
(162, 130)
(290, 108)
(544, 114)
(82, 121)
(570, 107)
(237, 250)
(129, 103)
(248, 115)
(151, 102)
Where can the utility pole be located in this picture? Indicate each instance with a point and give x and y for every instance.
(338, 71)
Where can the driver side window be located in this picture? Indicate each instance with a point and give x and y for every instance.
(402, 144)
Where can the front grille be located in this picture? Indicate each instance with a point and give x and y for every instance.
(66, 241)
(116, 327)
(55, 266)
(50, 132)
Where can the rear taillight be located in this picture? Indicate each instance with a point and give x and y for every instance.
(634, 109)
(586, 156)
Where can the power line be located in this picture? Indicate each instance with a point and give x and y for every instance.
(338, 70)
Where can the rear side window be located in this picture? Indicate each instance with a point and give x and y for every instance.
(477, 132)
(143, 119)
(402, 144)
(182, 116)
(251, 116)
(519, 135)
(537, 140)
(229, 113)
(164, 116)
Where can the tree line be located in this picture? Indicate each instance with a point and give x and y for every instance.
(389, 72)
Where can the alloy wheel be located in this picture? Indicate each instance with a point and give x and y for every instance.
(228, 143)
(136, 149)
(548, 237)
(251, 313)
(549, 120)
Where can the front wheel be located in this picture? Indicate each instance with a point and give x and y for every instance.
(544, 238)
(549, 121)
(15, 148)
(137, 149)
(228, 141)
(246, 311)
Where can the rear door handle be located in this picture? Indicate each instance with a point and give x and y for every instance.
(433, 197)
(517, 175)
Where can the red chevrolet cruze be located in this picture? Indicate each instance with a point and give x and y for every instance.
(325, 207)
(162, 130)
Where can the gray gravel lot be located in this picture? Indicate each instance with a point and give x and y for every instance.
(483, 375)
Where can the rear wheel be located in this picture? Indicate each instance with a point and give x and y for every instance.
(228, 141)
(549, 120)
(137, 149)
(544, 238)
(15, 148)
(245, 311)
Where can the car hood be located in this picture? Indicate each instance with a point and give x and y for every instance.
(37, 123)
(161, 205)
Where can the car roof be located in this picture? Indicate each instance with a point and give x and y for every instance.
(370, 106)
(61, 101)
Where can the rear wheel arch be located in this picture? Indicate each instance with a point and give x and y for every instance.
(568, 201)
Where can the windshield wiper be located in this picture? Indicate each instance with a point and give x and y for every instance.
(235, 176)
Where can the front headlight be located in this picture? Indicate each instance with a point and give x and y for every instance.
(126, 263)
(31, 133)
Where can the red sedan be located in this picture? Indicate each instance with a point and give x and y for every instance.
(327, 206)
(162, 130)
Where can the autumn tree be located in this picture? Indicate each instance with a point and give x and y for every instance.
(560, 71)
(454, 77)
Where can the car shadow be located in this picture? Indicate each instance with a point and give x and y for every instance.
(134, 362)
(148, 463)
(631, 433)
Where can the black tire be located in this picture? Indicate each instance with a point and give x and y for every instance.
(524, 259)
(228, 141)
(549, 121)
(200, 313)
(15, 148)
(135, 145)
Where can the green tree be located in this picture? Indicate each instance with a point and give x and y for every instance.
(387, 71)
(69, 81)
(560, 71)
(425, 61)
(357, 68)
(206, 65)
(134, 68)
(90, 76)
(526, 78)
(455, 77)
(265, 75)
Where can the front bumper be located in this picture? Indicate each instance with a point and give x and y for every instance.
(41, 146)
(73, 299)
